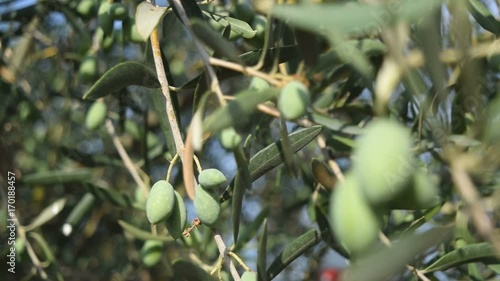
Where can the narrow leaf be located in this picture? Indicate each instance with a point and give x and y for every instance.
(190, 271)
(147, 18)
(214, 40)
(262, 254)
(239, 27)
(353, 18)
(483, 16)
(249, 231)
(158, 102)
(120, 76)
(270, 157)
(296, 248)
(47, 214)
(78, 212)
(49, 255)
(479, 252)
(336, 125)
(142, 234)
(238, 111)
(242, 182)
(56, 177)
(109, 195)
(401, 253)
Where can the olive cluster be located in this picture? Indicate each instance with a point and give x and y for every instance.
(385, 176)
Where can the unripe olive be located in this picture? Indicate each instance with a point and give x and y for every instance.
(211, 178)
(104, 17)
(421, 193)
(383, 161)
(88, 69)
(249, 276)
(258, 84)
(130, 31)
(118, 11)
(85, 7)
(108, 41)
(96, 115)
(294, 98)
(177, 221)
(139, 197)
(244, 12)
(151, 252)
(207, 207)
(161, 201)
(355, 223)
(229, 138)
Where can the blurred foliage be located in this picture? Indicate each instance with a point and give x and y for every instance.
(78, 82)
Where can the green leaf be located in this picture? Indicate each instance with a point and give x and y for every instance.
(336, 125)
(109, 195)
(47, 214)
(120, 76)
(214, 40)
(147, 18)
(158, 102)
(262, 254)
(270, 157)
(286, 53)
(369, 48)
(296, 248)
(352, 18)
(57, 177)
(79, 211)
(190, 7)
(479, 252)
(483, 16)
(351, 55)
(238, 111)
(401, 253)
(248, 231)
(242, 182)
(239, 27)
(142, 234)
(190, 271)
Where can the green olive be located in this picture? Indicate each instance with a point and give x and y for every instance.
(207, 207)
(105, 18)
(211, 178)
(88, 69)
(293, 101)
(491, 134)
(118, 11)
(258, 24)
(85, 8)
(96, 115)
(151, 252)
(249, 276)
(243, 11)
(108, 41)
(229, 138)
(258, 84)
(355, 223)
(139, 197)
(383, 161)
(177, 221)
(161, 201)
(422, 193)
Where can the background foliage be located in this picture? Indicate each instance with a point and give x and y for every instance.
(432, 66)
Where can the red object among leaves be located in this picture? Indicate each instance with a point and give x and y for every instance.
(329, 274)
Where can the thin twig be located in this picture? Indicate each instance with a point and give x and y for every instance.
(244, 70)
(333, 165)
(132, 169)
(162, 77)
(467, 191)
(239, 260)
(172, 163)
